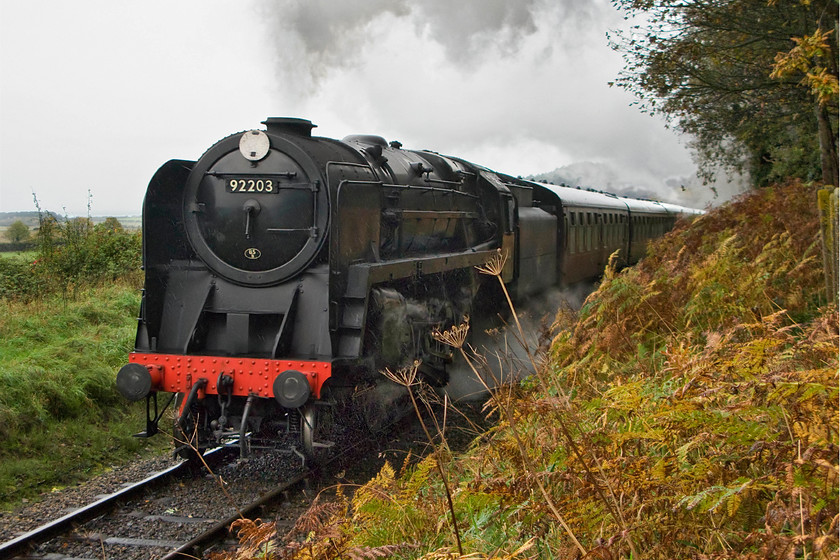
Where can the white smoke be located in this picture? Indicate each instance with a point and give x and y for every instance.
(685, 190)
(314, 37)
(520, 87)
(504, 354)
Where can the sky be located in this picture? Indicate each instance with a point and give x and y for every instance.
(95, 95)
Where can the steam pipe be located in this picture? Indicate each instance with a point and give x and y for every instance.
(199, 385)
(243, 443)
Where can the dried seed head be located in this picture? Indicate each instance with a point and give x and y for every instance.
(494, 265)
(454, 337)
(404, 376)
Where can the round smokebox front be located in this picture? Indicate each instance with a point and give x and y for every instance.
(255, 208)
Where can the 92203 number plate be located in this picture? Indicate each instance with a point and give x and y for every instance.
(250, 185)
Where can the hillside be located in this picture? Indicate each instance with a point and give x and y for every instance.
(28, 218)
(688, 411)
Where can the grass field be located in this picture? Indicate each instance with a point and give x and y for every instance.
(61, 418)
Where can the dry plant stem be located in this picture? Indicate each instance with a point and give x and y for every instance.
(406, 379)
(521, 332)
(801, 508)
(438, 459)
(440, 429)
(526, 459)
(495, 268)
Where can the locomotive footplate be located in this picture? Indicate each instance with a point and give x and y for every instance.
(245, 376)
(297, 386)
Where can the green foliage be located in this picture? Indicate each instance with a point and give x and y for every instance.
(742, 77)
(73, 254)
(811, 60)
(18, 280)
(66, 324)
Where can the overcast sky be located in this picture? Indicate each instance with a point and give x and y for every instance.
(96, 94)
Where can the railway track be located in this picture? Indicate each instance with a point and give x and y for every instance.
(171, 515)
(24, 544)
(168, 514)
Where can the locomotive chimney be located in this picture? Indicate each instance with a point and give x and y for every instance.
(288, 125)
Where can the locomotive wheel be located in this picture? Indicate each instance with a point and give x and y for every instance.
(316, 427)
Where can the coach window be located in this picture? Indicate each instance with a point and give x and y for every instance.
(584, 231)
(600, 232)
(607, 230)
(571, 235)
(580, 232)
(616, 229)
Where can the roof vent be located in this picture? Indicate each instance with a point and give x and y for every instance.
(288, 125)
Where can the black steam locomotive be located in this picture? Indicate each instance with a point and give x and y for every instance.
(283, 271)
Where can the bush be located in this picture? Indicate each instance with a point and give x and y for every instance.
(73, 254)
(18, 232)
(18, 280)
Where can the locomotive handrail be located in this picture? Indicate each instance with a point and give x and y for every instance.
(286, 174)
(432, 189)
(434, 214)
(443, 181)
(363, 275)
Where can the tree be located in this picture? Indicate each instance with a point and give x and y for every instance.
(17, 232)
(110, 224)
(813, 61)
(706, 65)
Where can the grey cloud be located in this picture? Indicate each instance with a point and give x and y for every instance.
(313, 37)
(475, 28)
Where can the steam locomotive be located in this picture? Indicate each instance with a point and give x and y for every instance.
(283, 271)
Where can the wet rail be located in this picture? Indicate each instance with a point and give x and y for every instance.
(134, 517)
(24, 543)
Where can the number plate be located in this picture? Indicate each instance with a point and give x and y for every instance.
(250, 185)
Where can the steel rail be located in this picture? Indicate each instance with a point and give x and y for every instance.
(198, 544)
(191, 549)
(24, 543)
(195, 547)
